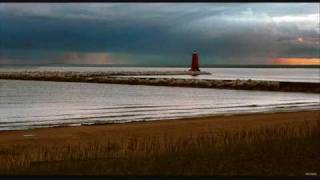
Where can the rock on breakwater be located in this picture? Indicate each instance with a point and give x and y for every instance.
(113, 77)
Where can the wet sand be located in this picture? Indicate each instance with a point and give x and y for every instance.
(178, 127)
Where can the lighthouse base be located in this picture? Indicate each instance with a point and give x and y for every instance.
(194, 73)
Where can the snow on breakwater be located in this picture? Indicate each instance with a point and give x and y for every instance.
(124, 78)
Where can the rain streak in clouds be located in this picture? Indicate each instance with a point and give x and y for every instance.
(159, 34)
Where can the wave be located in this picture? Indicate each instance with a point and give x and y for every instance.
(147, 113)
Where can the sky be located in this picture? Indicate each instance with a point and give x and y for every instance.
(159, 34)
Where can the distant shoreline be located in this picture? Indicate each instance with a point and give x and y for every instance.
(159, 66)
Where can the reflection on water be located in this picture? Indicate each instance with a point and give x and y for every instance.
(26, 104)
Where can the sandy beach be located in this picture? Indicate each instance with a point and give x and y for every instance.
(176, 127)
(152, 142)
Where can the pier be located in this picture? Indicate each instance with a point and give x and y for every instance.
(125, 78)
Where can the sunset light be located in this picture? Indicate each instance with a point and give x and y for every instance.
(297, 61)
(300, 39)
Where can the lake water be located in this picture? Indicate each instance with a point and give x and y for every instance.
(33, 104)
(271, 74)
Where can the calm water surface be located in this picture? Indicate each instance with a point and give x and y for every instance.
(31, 104)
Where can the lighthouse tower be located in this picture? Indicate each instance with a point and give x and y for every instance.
(195, 62)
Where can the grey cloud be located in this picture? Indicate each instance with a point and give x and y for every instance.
(160, 32)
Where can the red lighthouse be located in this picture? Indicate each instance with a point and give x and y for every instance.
(195, 62)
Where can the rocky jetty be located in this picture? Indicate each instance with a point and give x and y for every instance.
(113, 77)
(95, 74)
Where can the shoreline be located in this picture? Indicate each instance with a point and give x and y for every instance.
(124, 78)
(220, 117)
(226, 115)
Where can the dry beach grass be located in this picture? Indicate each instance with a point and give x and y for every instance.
(254, 144)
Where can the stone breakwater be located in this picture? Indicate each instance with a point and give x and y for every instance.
(111, 77)
(95, 74)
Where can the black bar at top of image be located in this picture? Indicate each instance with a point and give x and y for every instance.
(164, 1)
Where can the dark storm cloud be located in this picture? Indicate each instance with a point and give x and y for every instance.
(162, 34)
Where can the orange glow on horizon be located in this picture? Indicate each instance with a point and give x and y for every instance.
(297, 61)
(300, 40)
